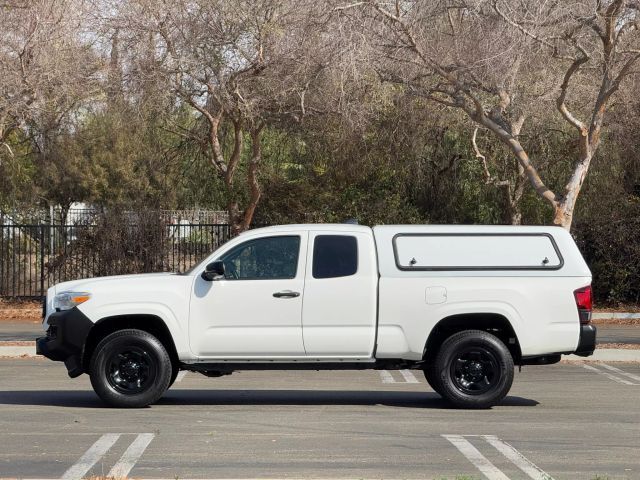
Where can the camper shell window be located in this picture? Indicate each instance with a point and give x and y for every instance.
(476, 251)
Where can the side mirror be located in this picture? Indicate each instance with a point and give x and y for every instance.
(213, 271)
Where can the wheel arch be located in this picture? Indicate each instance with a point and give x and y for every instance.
(152, 324)
(494, 323)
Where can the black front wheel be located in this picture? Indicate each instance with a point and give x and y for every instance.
(473, 369)
(130, 368)
(431, 375)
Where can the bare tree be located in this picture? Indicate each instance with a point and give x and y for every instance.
(45, 65)
(224, 60)
(506, 62)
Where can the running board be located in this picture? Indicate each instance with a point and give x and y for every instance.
(216, 369)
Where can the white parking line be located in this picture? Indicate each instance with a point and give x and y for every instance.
(408, 376)
(472, 454)
(608, 375)
(487, 468)
(131, 456)
(518, 459)
(181, 375)
(386, 377)
(621, 372)
(91, 457)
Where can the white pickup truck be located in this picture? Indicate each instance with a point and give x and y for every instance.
(461, 303)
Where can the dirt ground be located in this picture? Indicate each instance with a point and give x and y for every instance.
(616, 321)
(20, 311)
(629, 308)
(624, 346)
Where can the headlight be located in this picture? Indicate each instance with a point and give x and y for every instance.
(68, 300)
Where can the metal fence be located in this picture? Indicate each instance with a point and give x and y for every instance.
(34, 257)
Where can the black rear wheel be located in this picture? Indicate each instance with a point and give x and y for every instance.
(130, 368)
(473, 369)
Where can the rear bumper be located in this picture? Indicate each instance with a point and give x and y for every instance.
(587, 342)
(65, 339)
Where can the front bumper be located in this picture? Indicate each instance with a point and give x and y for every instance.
(65, 340)
(587, 342)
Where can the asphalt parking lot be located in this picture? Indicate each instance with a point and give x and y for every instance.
(566, 421)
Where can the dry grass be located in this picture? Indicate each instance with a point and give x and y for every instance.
(616, 321)
(624, 346)
(631, 308)
(17, 343)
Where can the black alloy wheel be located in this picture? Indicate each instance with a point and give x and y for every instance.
(475, 370)
(130, 368)
(472, 369)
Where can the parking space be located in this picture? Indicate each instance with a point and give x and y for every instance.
(565, 421)
(617, 374)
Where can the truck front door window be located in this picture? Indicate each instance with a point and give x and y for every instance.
(263, 259)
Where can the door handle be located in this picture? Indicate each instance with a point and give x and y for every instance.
(286, 294)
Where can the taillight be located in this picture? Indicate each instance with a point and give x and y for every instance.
(584, 302)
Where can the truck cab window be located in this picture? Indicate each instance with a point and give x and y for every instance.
(335, 256)
(267, 258)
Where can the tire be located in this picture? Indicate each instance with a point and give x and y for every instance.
(473, 369)
(174, 374)
(130, 369)
(431, 376)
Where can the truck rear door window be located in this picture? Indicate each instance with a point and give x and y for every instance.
(335, 256)
(476, 251)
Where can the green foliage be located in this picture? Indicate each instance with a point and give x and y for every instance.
(607, 226)
(17, 172)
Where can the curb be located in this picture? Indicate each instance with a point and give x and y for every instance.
(18, 351)
(607, 355)
(600, 355)
(614, 315)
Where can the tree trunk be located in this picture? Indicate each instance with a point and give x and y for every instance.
(252, 178)
(518, 192)
(564, 209)
(241, 220)
(235, 219)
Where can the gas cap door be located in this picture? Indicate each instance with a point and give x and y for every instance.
(435, 295)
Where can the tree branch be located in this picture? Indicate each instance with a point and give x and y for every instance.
(6, 145)
(521, 28)
(413, 45)
(561, 100)
(483, 159)
(488, 178)
(523, 159)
